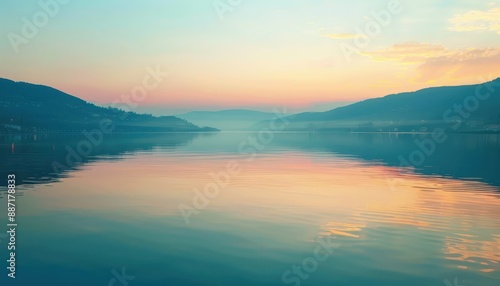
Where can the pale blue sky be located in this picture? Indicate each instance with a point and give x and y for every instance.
(261, 54)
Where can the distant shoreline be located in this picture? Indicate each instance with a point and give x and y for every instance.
(253, 131)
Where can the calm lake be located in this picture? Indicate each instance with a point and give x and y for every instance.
(239, 209)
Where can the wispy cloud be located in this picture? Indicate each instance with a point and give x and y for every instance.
(343, 36)
(460, 64)
(408, 52)
(477, 21)
(437, 61)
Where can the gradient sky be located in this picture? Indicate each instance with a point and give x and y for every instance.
(260, 54)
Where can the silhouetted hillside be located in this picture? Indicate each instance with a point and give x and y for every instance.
(458, 108)
(31, 107)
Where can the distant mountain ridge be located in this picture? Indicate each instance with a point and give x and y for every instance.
(447, 106)
(470, 108)
(230, 119)
(29, 107)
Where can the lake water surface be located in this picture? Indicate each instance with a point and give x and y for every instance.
(222, 209)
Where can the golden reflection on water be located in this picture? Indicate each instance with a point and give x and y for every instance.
(341, 196)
